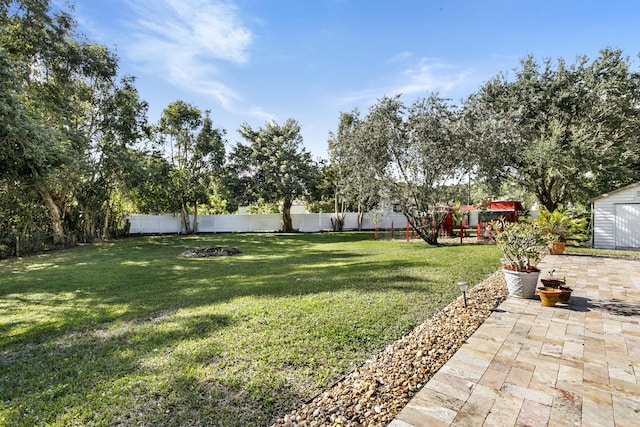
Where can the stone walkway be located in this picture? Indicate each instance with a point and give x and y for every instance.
(530, 365)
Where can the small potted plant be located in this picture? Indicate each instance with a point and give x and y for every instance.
(522, 245)
(560, 226)
(553, 283)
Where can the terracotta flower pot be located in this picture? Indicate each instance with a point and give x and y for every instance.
(556, 248)
(565, 294)
(549, 296)
(553, 283)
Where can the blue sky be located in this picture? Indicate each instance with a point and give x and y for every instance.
(258, 60)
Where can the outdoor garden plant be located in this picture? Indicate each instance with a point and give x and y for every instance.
(559, 226)
(522, 244)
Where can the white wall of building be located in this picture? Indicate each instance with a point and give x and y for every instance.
(616, 219)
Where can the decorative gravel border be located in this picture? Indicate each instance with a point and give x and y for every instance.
(374, 393)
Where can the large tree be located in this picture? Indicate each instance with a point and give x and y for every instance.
(356, 163)
(273, 167)
(63, 79)
(73, 127)
(564, 132)
(425, 158)
(116, 122)
(196, 150)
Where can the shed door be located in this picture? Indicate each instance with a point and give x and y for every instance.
(628, 225)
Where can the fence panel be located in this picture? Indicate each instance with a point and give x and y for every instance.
(306, 223)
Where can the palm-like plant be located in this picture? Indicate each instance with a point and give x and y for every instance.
(560, 226)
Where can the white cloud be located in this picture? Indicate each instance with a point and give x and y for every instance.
(259, 113)
(432, 75)
(425, 76)
(402, 56)
(186, 42)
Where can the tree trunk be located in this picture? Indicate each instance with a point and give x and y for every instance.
(54, 212)
(195, 217)
(360, 216)
(87, 222)
(106, 229)
(337, 223)
(185, 219)
(426, 228)
(287, 225)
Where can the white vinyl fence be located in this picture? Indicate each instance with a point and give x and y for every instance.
(306, 223)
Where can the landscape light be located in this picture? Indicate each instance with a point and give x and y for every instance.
(463, 288)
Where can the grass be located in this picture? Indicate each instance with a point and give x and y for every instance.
(613, 253)
(127, 333)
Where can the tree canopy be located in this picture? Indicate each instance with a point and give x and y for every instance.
(564, 132)
(273, 166)
(424, 158)
(196, 151)
(356, 167)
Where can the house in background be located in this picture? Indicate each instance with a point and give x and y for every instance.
(615, 219)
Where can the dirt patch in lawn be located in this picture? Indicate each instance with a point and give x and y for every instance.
(207, 252)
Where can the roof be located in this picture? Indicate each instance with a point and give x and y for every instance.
(492, 205)
(619, 190)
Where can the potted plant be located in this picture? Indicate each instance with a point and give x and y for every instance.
(560, 226)
(549, 296)
(521, 244)
(553, 283)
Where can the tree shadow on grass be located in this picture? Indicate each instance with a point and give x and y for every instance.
(133, 281)
(160, 371)
(130, 321)
(62, 375)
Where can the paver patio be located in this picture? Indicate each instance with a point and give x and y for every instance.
(529, 365)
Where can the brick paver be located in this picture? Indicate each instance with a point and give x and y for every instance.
(528, 365)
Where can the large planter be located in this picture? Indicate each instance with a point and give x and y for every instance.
(556, 248)
(521, 284)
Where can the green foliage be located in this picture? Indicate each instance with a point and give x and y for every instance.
(273, 167)
(263, 207)
(196, 152)
(321, 206)
(21, 136)
(564, 132)
(421, 162)
(521, 243)
(561, 226)
(67, 124)
(353, 174)
(129, 333)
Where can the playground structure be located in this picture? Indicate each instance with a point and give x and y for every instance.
(463, 221)
(478, 217)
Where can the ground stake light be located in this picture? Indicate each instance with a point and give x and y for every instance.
(463, 288)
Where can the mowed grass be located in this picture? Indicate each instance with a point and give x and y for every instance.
(128, 333)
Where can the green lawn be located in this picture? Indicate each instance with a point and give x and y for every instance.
(128, 333)
(614, 253)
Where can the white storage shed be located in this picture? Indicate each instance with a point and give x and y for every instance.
(616, 219)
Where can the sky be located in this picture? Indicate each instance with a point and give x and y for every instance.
(253, 61)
